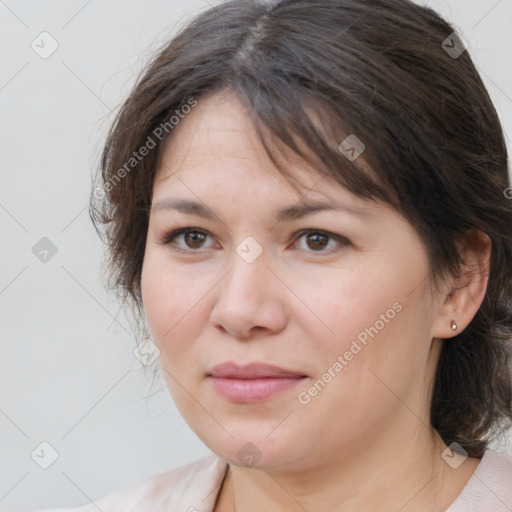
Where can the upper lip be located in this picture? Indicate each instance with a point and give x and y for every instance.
(251, 371)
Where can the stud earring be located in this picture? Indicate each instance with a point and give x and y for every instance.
(454, 325)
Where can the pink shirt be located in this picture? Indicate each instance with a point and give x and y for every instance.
(194, 487)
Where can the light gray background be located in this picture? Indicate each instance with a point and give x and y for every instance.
(67, 372)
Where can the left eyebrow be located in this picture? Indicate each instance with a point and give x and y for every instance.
(306, 208)
(289, 213)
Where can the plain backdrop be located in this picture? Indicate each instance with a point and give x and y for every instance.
(68, 376)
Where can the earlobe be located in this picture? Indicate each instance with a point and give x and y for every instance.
(467, 291)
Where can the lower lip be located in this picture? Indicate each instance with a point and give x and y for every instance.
(253, 390)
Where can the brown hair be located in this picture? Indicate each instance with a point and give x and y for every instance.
(379, 70)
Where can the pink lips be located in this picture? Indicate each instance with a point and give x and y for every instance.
(252, 382)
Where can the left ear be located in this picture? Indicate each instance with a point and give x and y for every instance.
(465, 292)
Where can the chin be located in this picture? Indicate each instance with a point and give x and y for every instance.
(258, 450)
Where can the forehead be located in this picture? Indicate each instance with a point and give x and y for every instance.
(214, 152)
(218, 128)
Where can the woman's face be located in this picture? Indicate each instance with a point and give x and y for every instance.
(338, 298)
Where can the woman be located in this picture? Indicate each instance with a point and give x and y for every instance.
(309, 203)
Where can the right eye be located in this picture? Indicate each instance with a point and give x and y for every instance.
(193, 239)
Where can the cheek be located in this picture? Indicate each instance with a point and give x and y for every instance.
(174, 313)
(155, 296)
(379, 350)
(370, 318)
(167, 298)
(347, 302)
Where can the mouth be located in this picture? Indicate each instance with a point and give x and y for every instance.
(252, 382)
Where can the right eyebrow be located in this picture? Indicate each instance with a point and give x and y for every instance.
(184, 206)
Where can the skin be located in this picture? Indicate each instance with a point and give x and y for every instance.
(364, 442)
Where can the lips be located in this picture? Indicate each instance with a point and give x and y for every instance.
(254, 382)
(231, 370)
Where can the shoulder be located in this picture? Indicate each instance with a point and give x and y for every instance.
(490, 486)
(187, 488)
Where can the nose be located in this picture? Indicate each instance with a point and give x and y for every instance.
(250, 300)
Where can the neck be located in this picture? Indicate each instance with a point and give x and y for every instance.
(410, 477)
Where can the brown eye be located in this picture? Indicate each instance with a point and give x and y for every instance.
(320, 241)
(194, 239)
(185, 239)
(317, 241)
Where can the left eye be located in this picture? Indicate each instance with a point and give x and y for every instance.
(318, 240)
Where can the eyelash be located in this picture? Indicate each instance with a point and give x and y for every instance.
(169, 237)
